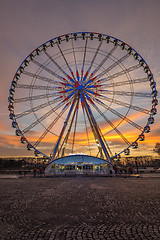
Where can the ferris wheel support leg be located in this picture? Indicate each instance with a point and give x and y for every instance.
(93, 130)
(63, 146)
(97, 132)
(63, 129)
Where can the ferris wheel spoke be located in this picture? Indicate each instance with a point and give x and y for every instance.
(74, 55)
(127, 70)
(102, 62)
(84, 57)
(45, 79)
(51, 125)
(112, 125)
(109, 122)
(37, 97)
(86, 131)
(94, 57)
(43, 117)
(112, 66)
(49, 70)
(71, 79)
(127, 105)
(119, 114)
(92, 62)
(124, 93)
(37, 87)
(35, 109)
(117, 84)
(57, 65)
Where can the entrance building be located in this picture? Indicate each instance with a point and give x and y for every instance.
(78, 164)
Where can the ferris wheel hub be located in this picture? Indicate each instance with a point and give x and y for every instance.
(79, 85)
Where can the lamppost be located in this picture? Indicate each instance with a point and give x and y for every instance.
(136, 165)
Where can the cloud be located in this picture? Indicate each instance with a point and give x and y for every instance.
(27, 24)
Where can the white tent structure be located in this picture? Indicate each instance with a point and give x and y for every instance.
(78, 164)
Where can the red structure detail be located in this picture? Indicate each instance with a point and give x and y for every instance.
(76, 84)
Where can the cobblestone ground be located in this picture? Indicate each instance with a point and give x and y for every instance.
(79, 208)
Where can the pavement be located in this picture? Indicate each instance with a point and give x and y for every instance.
(79, 208)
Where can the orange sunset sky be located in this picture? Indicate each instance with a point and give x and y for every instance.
(24, 25)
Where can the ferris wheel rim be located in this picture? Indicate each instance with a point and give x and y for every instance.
(70, 34)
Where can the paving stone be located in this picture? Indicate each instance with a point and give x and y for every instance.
(79, 208)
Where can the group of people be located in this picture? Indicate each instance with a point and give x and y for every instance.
(22, 173)
(119, 170)
(40, 171)
(36, 172)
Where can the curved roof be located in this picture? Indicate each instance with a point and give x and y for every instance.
(78, 159)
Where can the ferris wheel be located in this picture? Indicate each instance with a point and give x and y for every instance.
(83, 92)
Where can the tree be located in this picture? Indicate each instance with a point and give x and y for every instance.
(157, 148)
